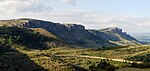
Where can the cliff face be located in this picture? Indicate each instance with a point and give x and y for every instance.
(116, 30)
(118, 35)
(75, 27)
(78, 35)
(71, 33)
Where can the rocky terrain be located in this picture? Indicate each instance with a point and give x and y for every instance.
(36, 45)
(77, 34)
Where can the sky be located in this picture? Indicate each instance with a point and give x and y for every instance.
(133, 16)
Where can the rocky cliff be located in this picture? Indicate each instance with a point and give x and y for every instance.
(75, 27)
(78, 35)
(120, 36)
(116, 30)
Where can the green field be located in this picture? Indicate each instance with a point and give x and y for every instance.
(53, 59)
(19, 53)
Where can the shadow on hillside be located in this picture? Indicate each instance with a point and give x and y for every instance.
(110, 48)
(25, 37)
(77, 68)
(13, 60)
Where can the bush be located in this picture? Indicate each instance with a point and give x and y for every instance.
(143, 65)
(102, 66)
(110, 68)
(145, 58)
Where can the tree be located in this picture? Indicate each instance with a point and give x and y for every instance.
(10, 40)
(102, 66)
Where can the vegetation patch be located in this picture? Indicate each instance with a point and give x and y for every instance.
(102, 66)
(145, 58)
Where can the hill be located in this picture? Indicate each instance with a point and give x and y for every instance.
(77, 34)
(115, 35)
(44, 32)
(26, 37)
(24, 49)
(14, 39)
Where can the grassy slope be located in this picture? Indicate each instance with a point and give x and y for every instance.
(81, 62)
(47, 59)
(120, 52)
(25, 37)
(44, 32)
(12, 22)
(21, 50)
(65, 62)
(18, 56)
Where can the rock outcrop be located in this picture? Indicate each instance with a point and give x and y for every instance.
(75, 27)
(116, 30)
(78, 35)
(112, 30)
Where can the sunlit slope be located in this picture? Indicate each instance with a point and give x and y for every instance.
(44, 32)
(76, 34)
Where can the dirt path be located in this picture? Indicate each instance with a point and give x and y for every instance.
(95, 57)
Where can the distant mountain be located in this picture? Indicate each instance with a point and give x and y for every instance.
(144, 37)
(77, 34)
(115, 35)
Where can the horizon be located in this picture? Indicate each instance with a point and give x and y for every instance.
(131, 16)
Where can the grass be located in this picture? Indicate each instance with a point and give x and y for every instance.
(46, 58)
(121, 53)
(16, 56)
(12, 22)
(132, 69)
(44, 32)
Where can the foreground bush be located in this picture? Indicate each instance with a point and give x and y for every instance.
(102, 66)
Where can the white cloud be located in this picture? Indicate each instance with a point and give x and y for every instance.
(90, 19)
(93, 20)
(15, 6)
(73, 2)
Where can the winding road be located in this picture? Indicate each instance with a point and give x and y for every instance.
(95, 57)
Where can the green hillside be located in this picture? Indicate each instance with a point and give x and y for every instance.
(21, 48)
(24, 37)
(12, 38)
(76, 34)
(36, 49)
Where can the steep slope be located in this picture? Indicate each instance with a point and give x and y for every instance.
(44, 32)
(115, 35)
(77, 34)
(25, 37)
(12, 38)
(71, 33)
(22, 49)
(116, 30)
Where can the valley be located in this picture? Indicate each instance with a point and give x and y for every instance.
(65, 58)
(36, 45)
(74, 35)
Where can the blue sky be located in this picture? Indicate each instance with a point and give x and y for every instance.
(137, 8)
(133, 16)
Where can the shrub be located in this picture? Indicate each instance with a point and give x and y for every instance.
(102, 66)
